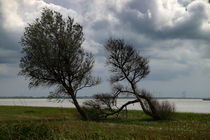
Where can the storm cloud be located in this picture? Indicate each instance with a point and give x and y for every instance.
(174, 35)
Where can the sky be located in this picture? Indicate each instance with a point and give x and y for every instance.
(173, 34)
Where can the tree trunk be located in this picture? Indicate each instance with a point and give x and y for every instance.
(153, 112)
(79, 109)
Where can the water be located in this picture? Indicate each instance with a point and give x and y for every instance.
(182, 105)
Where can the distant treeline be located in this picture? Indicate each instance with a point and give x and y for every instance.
(90, 97)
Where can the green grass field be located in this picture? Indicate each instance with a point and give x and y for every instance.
(37, 123)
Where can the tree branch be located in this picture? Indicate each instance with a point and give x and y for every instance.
(121, 108)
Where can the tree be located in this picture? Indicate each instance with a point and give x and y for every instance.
(129, 68)
(53, 56)
(127, 65)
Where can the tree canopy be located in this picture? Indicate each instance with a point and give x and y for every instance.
(53, 56)
(125, 62)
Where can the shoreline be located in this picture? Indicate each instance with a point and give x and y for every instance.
(181, 105)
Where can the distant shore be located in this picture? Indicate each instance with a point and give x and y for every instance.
(193, 105)
(89, 97)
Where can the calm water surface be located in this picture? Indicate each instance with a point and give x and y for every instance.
(182, 105)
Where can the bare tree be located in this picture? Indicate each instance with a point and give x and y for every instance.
(53, 56)
(128, 68)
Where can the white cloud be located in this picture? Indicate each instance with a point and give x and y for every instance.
(11, 19)
(91, 46)
(174, 34)
(18, 13)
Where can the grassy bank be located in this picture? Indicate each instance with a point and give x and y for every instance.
(62, 123)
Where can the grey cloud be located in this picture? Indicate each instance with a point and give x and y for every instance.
(9, 46)
(136, 17)
(141, 5)
(9, 56)
(185, 2)
(168, 73)
(138, 23)
(204, 49)
(82, 6)
(100, 25)
(8, 71)
(190, 28)
(165, 75)
(9, 40)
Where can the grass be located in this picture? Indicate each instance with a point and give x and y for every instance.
(41, 123)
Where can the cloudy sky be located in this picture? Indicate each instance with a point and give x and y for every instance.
(173, 34)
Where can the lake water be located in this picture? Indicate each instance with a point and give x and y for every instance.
(182, 105)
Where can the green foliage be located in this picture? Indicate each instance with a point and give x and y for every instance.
(53, 54)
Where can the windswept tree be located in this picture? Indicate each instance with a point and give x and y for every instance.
(53, 56)
(128, 68)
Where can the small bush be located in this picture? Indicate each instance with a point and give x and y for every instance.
(162, 110)
(97, 108)
(93, 113)
(165, 110)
